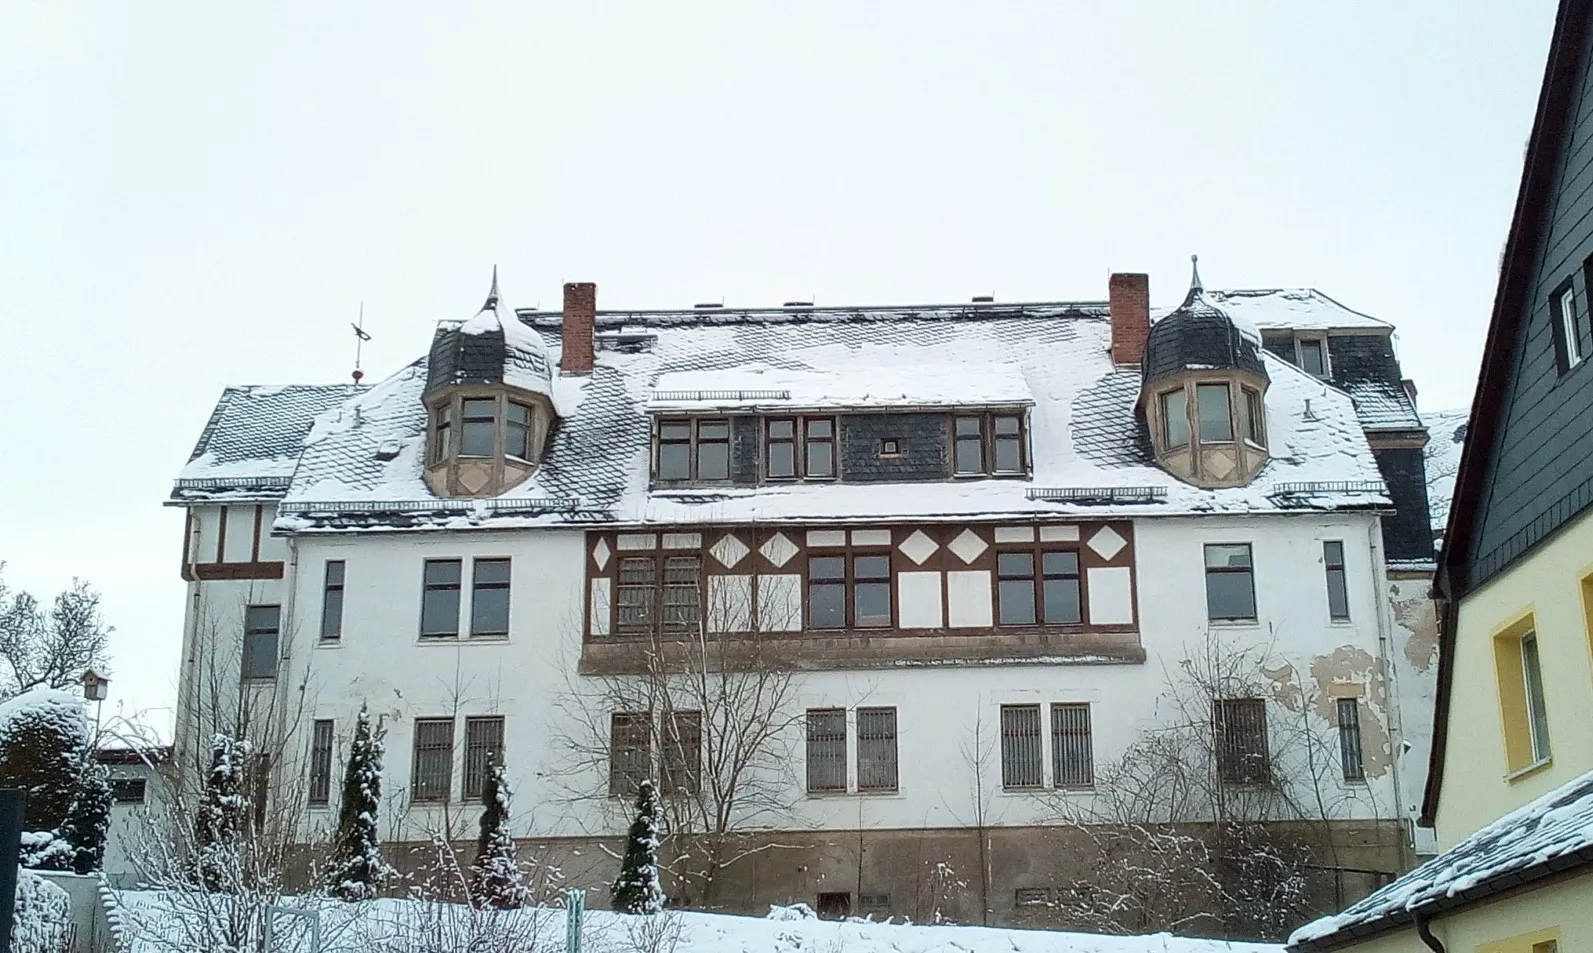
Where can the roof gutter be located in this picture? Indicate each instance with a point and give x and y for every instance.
(1424, 931)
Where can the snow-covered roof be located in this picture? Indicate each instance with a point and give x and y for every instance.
(1304, 309)
(362, 461)
(1447, 437)
(252, 441)
(768, 387)
(1546, 837)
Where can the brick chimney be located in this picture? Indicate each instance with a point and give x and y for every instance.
(1129, 304)
(579, 324)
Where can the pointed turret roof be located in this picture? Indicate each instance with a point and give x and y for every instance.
(1198, 335)
(493, 347)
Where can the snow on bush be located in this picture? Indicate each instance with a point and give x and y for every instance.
(43, 921)
(45, 741)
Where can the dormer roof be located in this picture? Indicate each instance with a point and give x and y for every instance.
(1198, 335)
(492, 347)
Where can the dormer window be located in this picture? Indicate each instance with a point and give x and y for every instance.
(476, 434)
(1254, 418)
(1313, 356)
(693, 450)
(1216, 414)
(988, 443)
(1175, 419)
(517, 431)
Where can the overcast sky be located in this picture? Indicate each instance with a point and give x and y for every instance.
(196, 195)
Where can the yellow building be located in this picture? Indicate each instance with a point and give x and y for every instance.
(1510, 782)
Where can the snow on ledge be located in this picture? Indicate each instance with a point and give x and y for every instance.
(761, 385)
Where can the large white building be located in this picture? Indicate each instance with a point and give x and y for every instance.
(907, 608)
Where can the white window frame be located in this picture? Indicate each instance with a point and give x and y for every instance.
(1568, 329)
(1299, 360)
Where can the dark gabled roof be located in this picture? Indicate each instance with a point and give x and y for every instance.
(251, 443)
(1534, 206)
(1551, 836)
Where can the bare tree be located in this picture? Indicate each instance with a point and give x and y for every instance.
(50, 647)
(709, 703)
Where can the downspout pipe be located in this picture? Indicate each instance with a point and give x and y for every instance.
(1424, 930)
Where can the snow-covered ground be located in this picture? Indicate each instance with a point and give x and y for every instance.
(380, 926)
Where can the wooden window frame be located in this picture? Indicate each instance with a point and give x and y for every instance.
(1237, 763)
(811, 751)
(659, 589)
(253, 629)
(1065, 725)
(427, 587)
(625, 774)
(1321, 341)
(1228, 416)
(799, 442)
(466, 419)
(430, 796)
(320, 780)
(1352, 754)
(808, 440)
(332, 619)
(1250, 570)
(693, 444)
(680, 767)
(988, 440)
(1254, 416)
(1337, 579)
(1011, 780)
(526, 431)
(1168, 418)
(477, 586)
(485, 739)
(442, 431)
(1037, 578)
(849, 555)
(884, 741)
(1536, 698)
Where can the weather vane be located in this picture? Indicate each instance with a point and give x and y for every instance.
(360, 337)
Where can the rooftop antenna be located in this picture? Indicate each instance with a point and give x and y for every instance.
(360, 337)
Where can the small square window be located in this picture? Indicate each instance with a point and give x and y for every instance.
(890, 447)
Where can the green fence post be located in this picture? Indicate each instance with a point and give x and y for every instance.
(574, 907)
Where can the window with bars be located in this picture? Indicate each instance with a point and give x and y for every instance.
(128, 790)
(630, 760)
(1230, 583)
(321, 763)
(852, 590)
(826, 750)
(262, 625)
(1072, 752)
(432, 774)
(876, 749)
(1053, 596)
(439, 605)
(1240, 730)
(984, 444)
(1350, 757)
(489, 598)
(645, 582)
(332, 602)
(693, 450)
(257, 781)
(1022, 760)
(1338, 592)
(682, 753)
(483, 750)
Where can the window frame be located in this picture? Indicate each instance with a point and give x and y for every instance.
(693, 443)
(328, 588)
(1230, 432)
(1011, 780)
(680, 767)
(1168, 417)
(483, 752)
(319, 783)
(122, 790)
(1567, 328)
(466, 419)
(1539, 737)
(1321, 341)
(526, 431)
(849, 581)
(624, 778)
(1254, 418)
(1083, 750)
(442, 427)
(815, 754)
(444, 754)
(1337, 580)
(1352, 753)
(1249, 570)
(427, 587)
(800, 442)
(1038, 578)
(252, 632)
(1239, 761)
(989, 441)
(658, 589)
(478, 586)
(885, 739)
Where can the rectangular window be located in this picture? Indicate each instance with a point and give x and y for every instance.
(1175, 418)
(1015, 592)
(871, 591)
(630, 752)
(826, 750)
(874, 904)
(876, 749)
(476, 435)
(780, 450)
(1008, 440)
(1230, 583)
(643, 588)
(321, 763)
(637, 595)
(1255, 418)
(332, 602)
(713, 450)
(1056, 600)
(683, 753)
(517, 431)
(1072, 753)
(483, 752)
(827, 592)
(1537, 708)
(444, 428)
(1060, 592)
(682, 593)
(1022, 762)
(1240, 729)
(261, 627)
(1313, 356)
(969, 445)
(1216, 416)
(1350, 757)
(439, 606)
(819, 442)
(128, 790)
(674, 450)
(1567, 330)
(1338, 592)
(489, 598)
(257, 782)
(432, 777)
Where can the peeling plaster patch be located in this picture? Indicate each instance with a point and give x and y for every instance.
(1285, 687)
(1418, 617)
(1351, 664)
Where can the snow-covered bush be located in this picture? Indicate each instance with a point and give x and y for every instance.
(637, 889)
(495, 877)
(43, 921)
(45, 746)
(222, 812)
(356, 870)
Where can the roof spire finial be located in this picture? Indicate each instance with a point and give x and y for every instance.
(492, 296)
(1195, 287)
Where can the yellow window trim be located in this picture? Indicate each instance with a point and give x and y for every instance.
(1536, 942)
(1514, 716)
(1585, 587)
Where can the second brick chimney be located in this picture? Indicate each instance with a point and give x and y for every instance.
(579, 324)
(1129, 304)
